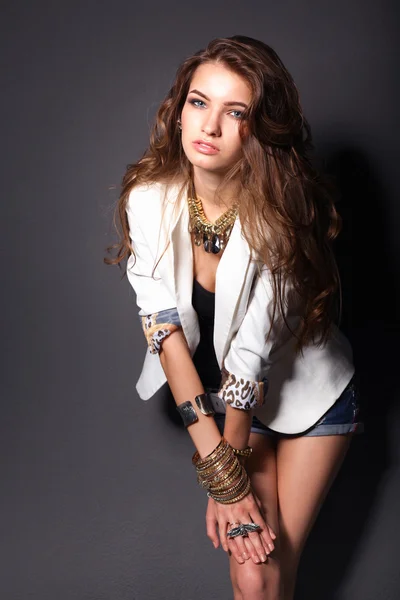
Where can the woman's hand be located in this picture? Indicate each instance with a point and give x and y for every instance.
(258, 545)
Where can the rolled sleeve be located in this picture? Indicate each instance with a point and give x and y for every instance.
(159, 325)
(155, 297)
(241, 393)
(244, 383)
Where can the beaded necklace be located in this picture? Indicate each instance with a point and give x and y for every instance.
(214, 236)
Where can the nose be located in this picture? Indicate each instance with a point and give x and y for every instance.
(211, 125)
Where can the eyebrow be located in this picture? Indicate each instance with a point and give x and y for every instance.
(225, 103)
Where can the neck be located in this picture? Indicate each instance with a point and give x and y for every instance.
(206, 184)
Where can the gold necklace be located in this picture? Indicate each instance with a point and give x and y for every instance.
(214, 236)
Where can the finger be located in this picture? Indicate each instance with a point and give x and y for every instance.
(263, 532)
(223, 528)
(267, 549)
(252, 552)
(241, 548)
(266, 538)
(260, 553)
(235, 551)
(252, 547)
(263, 516)
(259, 546)
(211, 525)
(256, 549)
(236, 545)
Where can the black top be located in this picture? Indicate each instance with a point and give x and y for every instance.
(204, 358)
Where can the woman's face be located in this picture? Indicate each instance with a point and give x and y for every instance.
(211, 115)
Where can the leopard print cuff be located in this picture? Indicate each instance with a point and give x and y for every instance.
(158, 326)
(242, 393)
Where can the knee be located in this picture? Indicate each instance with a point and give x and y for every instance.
(249, 582)
(256, 582)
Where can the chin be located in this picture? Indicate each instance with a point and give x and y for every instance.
(207, 163)
(220, 169)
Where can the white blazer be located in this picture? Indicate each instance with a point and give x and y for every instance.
(301, 388)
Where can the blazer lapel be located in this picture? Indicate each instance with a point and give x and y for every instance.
(231, 275)
(230, 278)
(183, 276)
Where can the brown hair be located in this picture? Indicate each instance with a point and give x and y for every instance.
(286, 207)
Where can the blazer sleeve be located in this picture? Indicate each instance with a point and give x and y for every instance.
(158, 313)
(244, 384)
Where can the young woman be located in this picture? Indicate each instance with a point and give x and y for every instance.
(227, 228)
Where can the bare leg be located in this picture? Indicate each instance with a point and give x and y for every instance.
(306, 469)
(263, 581)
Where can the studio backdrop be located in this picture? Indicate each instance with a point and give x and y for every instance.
(99, 499)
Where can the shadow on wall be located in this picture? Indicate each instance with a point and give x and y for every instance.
(371, 321)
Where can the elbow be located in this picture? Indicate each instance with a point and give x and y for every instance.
(241, 393)
(172, 346)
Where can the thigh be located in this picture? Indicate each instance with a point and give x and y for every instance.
(262, 469)
(306, 468)
(249, 579)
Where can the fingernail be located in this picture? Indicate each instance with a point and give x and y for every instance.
(263, 557)
(271, 547)
(241, 561)
(245, 555)
(256, 559)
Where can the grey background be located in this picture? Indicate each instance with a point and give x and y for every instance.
(98, 495)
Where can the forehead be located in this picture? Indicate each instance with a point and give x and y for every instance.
(220, 83)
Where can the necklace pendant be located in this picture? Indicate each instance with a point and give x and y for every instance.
(212, 244)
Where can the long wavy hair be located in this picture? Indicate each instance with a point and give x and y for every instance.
(286, 208)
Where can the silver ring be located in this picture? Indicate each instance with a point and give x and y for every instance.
(243, 530)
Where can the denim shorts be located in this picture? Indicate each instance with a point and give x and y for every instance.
(343, 417)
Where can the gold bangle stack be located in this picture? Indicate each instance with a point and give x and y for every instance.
(222, 474)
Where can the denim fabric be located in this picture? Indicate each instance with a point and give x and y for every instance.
(343, 417)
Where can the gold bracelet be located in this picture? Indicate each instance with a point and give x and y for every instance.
(216, 465)
(236, 478)
(217, 478)
(220, 469)
(245, 452)
(237, 498)
(234, 499)
(225, 484)
(237, 495)
(228, 487)
(220, 463)
(219, 449)
(232, 485)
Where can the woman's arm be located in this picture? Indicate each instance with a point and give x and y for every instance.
(185, 385)
(161, 324)
(237, 427)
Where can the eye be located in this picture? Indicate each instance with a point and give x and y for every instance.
(238, 114)
(196, 102)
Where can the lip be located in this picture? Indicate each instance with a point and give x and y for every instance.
(205, 147)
